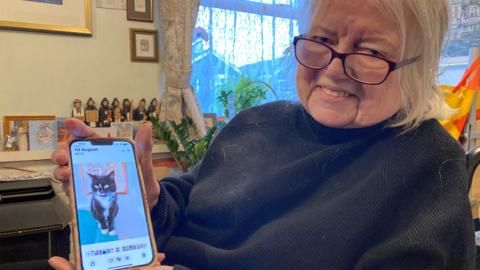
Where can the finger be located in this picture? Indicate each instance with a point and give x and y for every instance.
(60, 157)
(60, 263)
(160, 257)
(78, 129)
(61, 173)
(144, 145)
(66, 188)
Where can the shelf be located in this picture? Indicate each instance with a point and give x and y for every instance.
(160, 150)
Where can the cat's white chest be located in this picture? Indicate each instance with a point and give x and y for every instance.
(105, 202)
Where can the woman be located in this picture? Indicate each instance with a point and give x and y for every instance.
(359, 176)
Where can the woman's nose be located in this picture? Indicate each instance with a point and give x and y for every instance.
(335, 70)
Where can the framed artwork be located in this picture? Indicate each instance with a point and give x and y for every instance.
(42, 135)
(11, 123)
(140, 10)
(123, 129)
(143, 45)
(54, 16)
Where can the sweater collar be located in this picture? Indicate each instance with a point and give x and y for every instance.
(330, 136)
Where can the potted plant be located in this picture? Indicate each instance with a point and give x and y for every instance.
(244, 94)
(185, 148)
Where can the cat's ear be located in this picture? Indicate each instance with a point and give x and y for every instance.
(93, 176)
(111, 175)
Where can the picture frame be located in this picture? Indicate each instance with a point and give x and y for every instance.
(53, 16)
(140, 10)
(42, 135)
(144, 45)
(123, 129)
(10, 122)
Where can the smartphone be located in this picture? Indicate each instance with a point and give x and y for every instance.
(111, 221)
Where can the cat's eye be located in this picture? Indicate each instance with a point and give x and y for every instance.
(106, 186)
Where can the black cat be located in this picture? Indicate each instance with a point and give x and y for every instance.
(104, 205)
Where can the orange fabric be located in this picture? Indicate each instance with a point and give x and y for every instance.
(460, 98)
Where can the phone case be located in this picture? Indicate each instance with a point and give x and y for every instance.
(74, 222)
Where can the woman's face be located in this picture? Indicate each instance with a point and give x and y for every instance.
(329, 95)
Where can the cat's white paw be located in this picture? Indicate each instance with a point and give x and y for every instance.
(112, 232)
(104, 231)
(99, 226)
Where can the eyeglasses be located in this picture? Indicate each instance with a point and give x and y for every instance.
(361, 67)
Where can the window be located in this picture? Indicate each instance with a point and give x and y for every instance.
(241, 37)
(464, 34)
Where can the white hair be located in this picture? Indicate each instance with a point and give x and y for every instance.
(426, 22)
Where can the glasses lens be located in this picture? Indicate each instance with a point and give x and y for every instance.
(312, 54)
(367, 69)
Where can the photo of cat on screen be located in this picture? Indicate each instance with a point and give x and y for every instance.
(104, 206)
(104, 198)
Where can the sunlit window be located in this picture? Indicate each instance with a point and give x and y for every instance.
(464, 35)
(243, 38)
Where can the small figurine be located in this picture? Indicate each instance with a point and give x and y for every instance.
(105, 113)
(140, 114)
(77, 111)
(22, 138)
(10, 143)
(91, 113)
(126, 110)
(117, 111)
(152, 109)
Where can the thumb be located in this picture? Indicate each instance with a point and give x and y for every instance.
(59, 263)
(78, 129)
(144, 145)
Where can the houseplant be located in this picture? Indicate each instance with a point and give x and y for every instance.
(242, 95)
(185, 148)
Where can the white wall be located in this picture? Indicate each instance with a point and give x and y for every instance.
(41, 73)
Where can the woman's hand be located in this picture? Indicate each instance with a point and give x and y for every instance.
(143, 143)
(60, 263)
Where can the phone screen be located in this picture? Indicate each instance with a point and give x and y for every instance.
(112, 224)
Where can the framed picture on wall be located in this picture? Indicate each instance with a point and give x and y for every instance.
(54, 16)
(140, 10)
(143, 45)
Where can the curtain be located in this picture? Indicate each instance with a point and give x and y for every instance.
(244, 38)
(177, 21)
